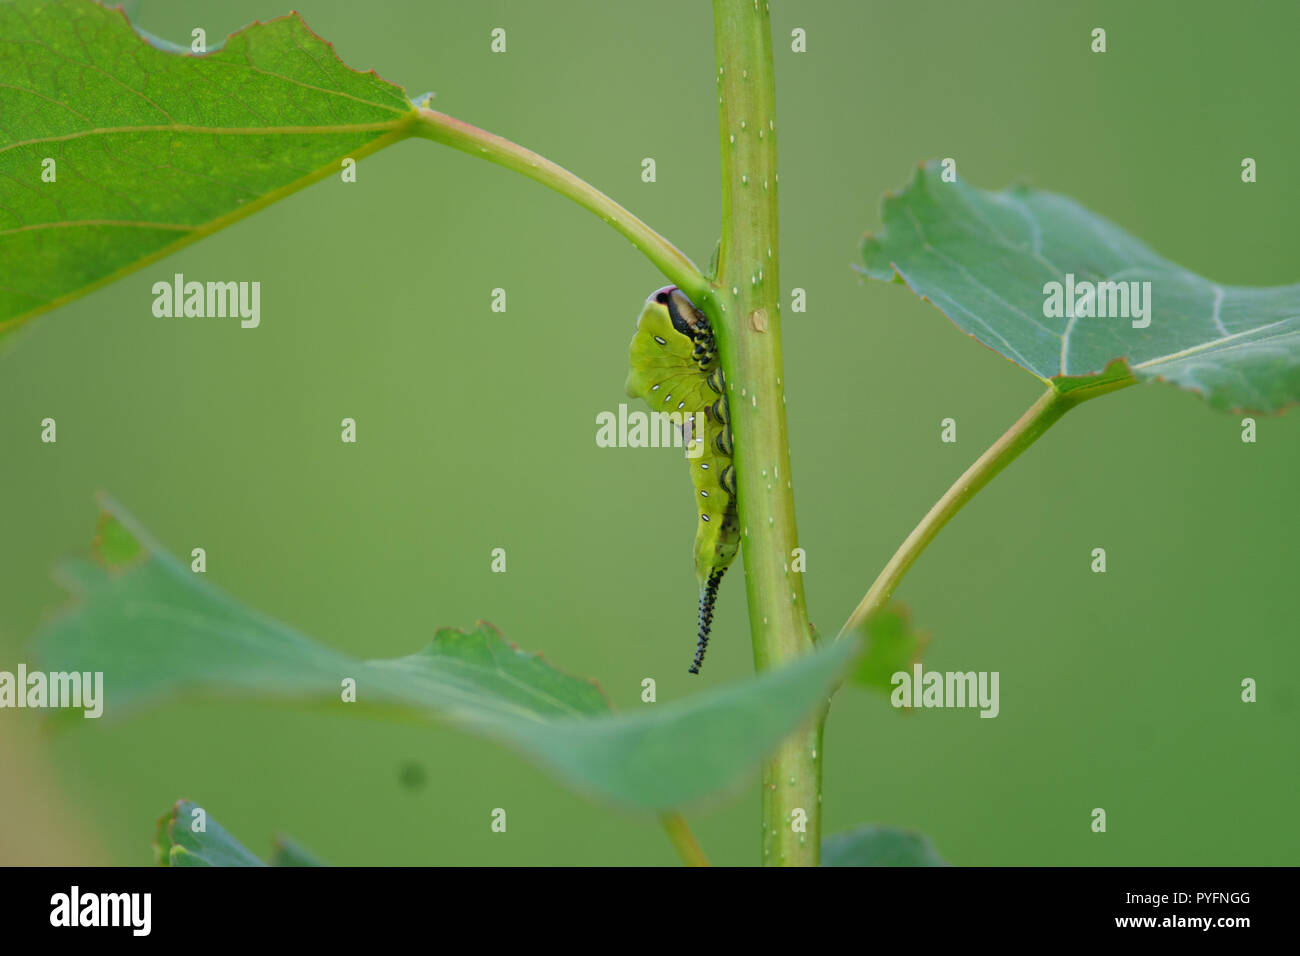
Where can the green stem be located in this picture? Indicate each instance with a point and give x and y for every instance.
(1032, 424)
(683, 839)
(670, 260)
(745, 307)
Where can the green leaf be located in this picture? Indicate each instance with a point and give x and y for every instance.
(179, 843)
(984, 258)
(289, 852)
(872, 845)
(890, 645)
(114, 546)
(154, 628)
(154, 150)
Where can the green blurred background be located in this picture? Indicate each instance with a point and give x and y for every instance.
(476, 430)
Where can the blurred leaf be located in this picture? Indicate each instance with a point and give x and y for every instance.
(177, 843)
(890, 645)
(113, 545)
(871, 845)
(289, 852)
(157, 629)
(154, 149)
(984, 257)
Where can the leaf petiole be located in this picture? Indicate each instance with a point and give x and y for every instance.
(670, 260)
(1044, 413)
(683, 839)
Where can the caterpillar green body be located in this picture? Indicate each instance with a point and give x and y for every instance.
(675, 369)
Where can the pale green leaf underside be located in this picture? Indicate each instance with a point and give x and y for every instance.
(155, 628)
(984, 257)
(155, 149)
(871, 845)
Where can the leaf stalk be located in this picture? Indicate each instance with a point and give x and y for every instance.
(1031, 426)
(670, 260)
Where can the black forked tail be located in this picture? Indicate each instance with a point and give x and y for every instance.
(707, 597)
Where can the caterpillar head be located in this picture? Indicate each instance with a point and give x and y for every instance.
(686, 318)
(673, 342)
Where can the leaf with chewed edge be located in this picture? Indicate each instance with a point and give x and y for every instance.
(986, 259)
(155, 149)
(155, 629)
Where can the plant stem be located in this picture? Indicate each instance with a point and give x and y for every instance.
(1044, 413)
(670, 260)
(683, 840)
(745, 307)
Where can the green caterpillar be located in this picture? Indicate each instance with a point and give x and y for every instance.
(675, 368)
